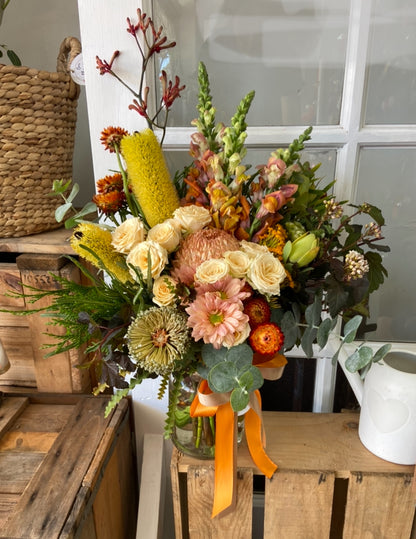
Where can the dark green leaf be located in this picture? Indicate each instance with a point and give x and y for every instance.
(15, 60)
(290, 330)
(336, 296)
(377, 271)
(376, 214)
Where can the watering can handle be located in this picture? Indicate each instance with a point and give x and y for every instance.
(353, 378)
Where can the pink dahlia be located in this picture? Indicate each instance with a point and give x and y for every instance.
(229, 288)
(203, 245)
(214, 320)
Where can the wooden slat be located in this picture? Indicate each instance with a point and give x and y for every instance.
(54, 241)
(379, 505)
(44, 417)
(200, 484)
(52, 374)
(16, 470)
(10, 282)
(296, 501)
(179, 500)
(43, 508)
(152, 485)
(11, 408)
(7, 505)
(38, 442)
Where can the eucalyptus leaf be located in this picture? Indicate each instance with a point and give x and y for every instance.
(323, 332)
(359, 359)
(73, 193)
(222, 377)
(307, 341)
(351, 327)
(290, 329)
(211, 356)
(246, 380)
(381, 352)
(61, 211)
(239, 399)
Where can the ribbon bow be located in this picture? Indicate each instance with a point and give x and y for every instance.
(206, 404)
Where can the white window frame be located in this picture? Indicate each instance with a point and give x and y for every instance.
(103, 31)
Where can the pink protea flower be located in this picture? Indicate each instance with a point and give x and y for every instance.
(200, 246)
(229, 288)
(214, 320)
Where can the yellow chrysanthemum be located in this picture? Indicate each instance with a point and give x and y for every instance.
(149, 176)
(98, 240)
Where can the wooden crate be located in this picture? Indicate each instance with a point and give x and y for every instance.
(327, 485)
(65, 470)
(31, 260)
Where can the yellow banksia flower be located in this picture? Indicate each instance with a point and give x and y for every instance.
(98, 241)
(149, 176)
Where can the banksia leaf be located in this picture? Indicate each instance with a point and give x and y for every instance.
(149, 176)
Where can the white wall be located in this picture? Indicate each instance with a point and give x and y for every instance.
(35, 30)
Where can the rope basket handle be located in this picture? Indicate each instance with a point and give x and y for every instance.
(69, 49)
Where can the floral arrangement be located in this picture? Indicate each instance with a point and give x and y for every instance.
(219, 271)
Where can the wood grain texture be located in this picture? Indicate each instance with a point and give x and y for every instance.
(42, 506)
(299, 504)
(55, 241)
(200, 484)
(379, 505)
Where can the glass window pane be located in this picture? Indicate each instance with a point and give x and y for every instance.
(291, 52)
(391, 95)
(386, 179)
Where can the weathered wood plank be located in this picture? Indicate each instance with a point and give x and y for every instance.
(379, 505)
(10, 281)
(200, 484)
(54, 241)
(17, 469)
(42, 508)
(39, 442)
(179, 500)
(7, 504)
(10, 409)
(296, 501)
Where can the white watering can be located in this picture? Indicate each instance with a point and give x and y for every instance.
(387, 397)
(4, 360)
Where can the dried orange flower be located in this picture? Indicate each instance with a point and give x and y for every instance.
(111, 138)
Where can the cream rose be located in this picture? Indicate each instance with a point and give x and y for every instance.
(212, 270)
(163, 292)
(166, 235)
(128, 234)
(192, 218)
(238, 338)
(253, 249)
(266, 273)
(238, 262)
(138, 258)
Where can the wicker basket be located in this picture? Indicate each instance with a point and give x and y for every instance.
(38, 112)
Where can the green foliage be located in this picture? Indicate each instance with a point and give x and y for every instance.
(231, 371)
(61, 188)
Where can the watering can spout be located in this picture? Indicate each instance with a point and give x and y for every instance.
(353, 378)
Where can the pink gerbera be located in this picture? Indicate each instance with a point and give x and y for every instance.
(215, 320)
(229, 288)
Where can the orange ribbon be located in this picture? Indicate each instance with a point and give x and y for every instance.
(206, 403)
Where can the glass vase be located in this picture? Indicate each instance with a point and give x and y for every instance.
(195, 436)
